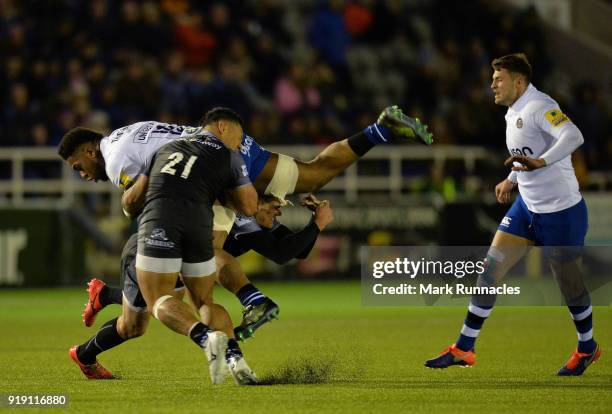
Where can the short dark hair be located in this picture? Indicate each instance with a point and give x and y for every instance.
(515, 62)
(76, 137)
(221, 113)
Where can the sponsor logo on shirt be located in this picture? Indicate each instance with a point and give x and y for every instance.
(245, 146)
(142, 135)
(521, 151)
(556, 117)
(204, 140)
(211, 143)
(118, 134)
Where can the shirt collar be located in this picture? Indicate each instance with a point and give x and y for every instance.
(520, 102)
(209, 134)
(103, 145)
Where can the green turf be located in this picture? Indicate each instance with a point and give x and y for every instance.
(327, 353)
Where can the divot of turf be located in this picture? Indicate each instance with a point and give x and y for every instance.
(300, 371)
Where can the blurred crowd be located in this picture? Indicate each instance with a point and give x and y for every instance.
(297, 71)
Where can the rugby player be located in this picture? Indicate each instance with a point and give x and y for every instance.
(175, 234)
(549, 211)
(264, 234)
(124, 158)
(261, 232)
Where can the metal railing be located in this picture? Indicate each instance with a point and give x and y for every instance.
(19, 191)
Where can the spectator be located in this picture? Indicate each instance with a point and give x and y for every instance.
(296, 91)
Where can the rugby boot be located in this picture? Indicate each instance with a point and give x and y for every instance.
(579, 362)
(240, 370)
(452, 356)
(93, 306)
(93, 371)
(254, 316)
(404, 127)
(215, 348)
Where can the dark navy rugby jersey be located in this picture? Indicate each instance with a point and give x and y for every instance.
(278, 244)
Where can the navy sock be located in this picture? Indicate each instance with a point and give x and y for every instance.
(583, 319)
(232, 348)
(106, 338)
(480, 307)
(471, 326)
(378, 134)
(250, 295)
(360, 143)
(109, 295)
(199, 334)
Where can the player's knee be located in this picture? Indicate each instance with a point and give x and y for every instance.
(135, 330)
(492, 267)
(129, 329)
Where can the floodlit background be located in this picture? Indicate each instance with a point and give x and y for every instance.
(302, 74)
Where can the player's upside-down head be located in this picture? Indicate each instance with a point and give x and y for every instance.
(268, 208)
(80, 147)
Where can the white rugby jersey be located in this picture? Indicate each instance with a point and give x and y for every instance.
(128, 151)
(534, 123)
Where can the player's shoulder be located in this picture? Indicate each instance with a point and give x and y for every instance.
(545, 110)
(115, 136)
(539, 103)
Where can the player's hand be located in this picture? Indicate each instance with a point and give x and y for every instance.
(527, 163)
(323, 214)
(503, 191)
(310, 202)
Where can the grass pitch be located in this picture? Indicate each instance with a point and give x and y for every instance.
(327, 353)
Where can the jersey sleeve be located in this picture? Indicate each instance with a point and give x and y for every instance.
(122, 171)
(281, 244)
(240, 174)
(548, 117)
(567, 137)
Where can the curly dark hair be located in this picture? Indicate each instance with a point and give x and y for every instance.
(74, 138)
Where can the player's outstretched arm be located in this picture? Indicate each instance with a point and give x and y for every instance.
(282, 245)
